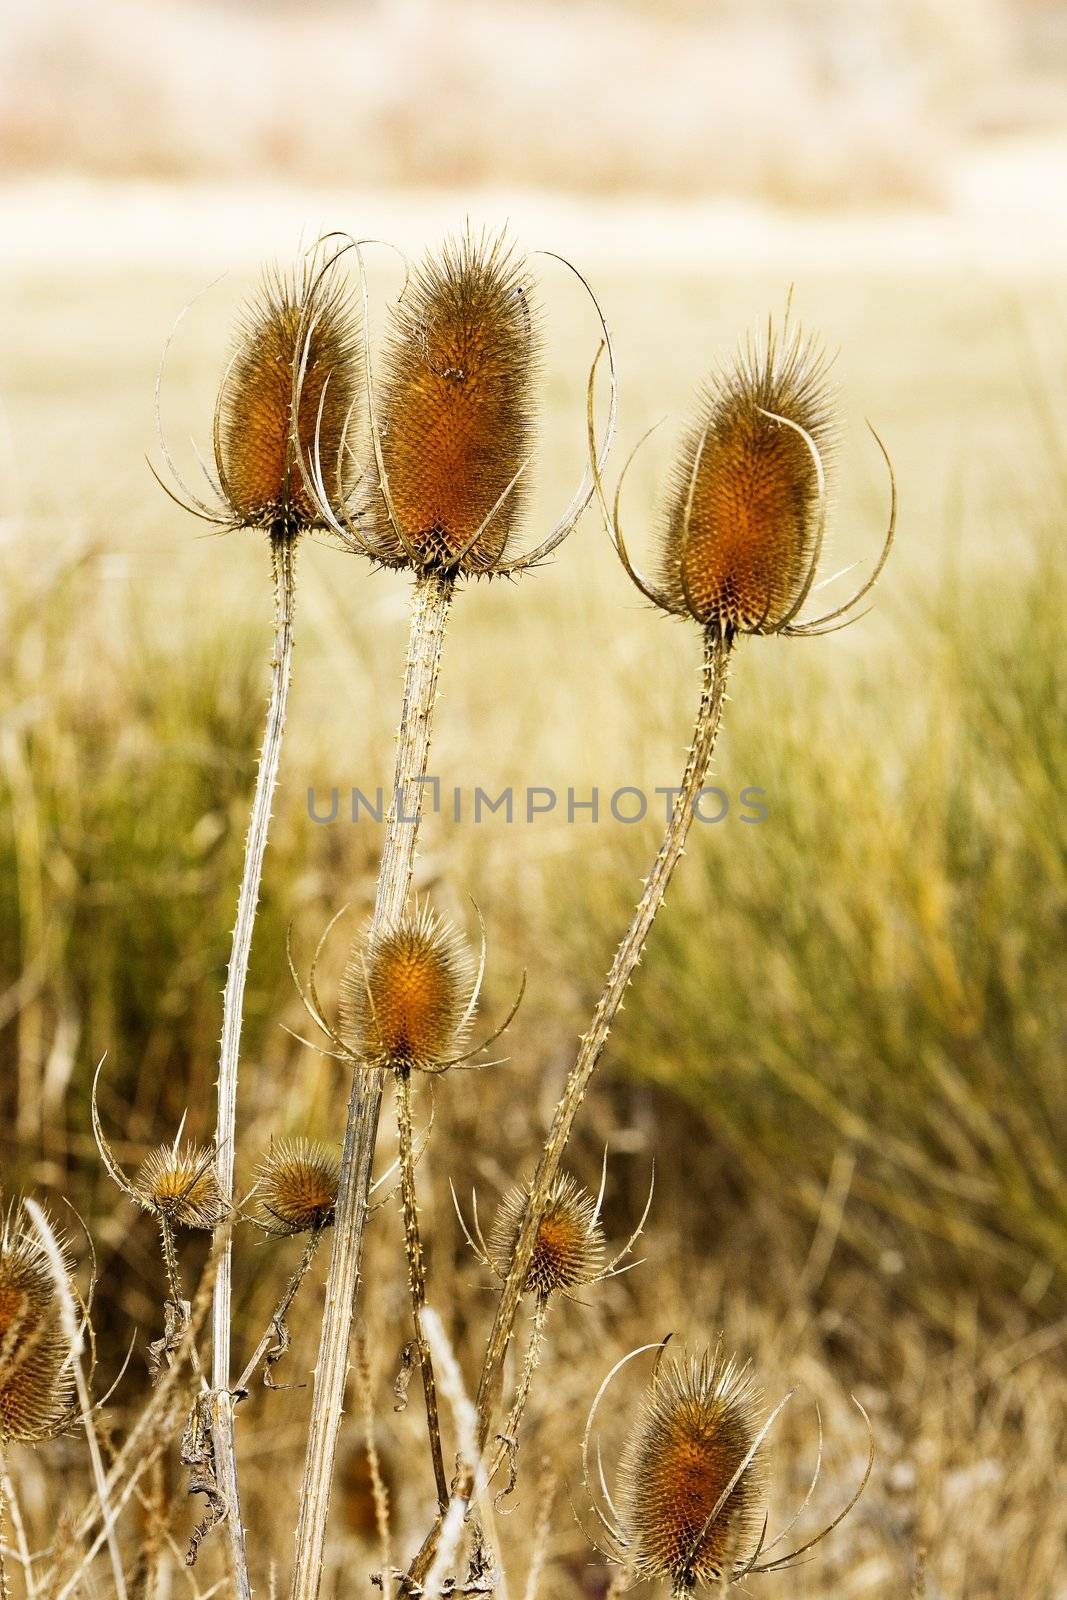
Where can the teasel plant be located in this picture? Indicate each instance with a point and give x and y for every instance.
(407, 1000)
(690, 1496)
(570, 1253)
(295, 1195)
(288, 393)
(451, 432)
(741, 535)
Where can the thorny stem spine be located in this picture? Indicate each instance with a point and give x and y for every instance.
(510, 1439)
(283, 558)
(281, 1311)
(429, 615)
(417, 1276)
(627, 956)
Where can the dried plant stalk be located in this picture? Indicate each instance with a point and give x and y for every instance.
(627, 956)
(283, 556)
(430, 607)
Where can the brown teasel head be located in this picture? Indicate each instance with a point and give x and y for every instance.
(455, 410)
(696, 1428)
(743, 519)
(36, 1383)
(569, 1247)
(296, 1187)
(177, 1183)
(287, 399)
(404, 995)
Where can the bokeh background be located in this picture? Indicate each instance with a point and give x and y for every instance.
(845, 1047)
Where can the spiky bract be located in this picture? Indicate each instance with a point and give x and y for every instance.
(455, 409)
(404, 992)
(36, 1382)
(696, 1426)
(295, 351)
(569, 1248)
(296, 1187)
(742, 519)
(178, 1183)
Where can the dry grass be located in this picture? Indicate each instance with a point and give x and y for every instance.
(858, 1106)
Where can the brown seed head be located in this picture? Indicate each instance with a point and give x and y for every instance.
(404, 993)
(36, 1384)
(296, 339)
(696, 1426)
(569, 1248)
(178, 1184)
(743, 515)
(455, 408)
(296, 1187)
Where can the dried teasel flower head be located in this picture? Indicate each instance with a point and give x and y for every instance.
(569, 1246)
(177, 1183)
(407, 995)
(455, 410)
(743, 521)
(36, 1382)
(745, 514)
(284, 405)
(691, 1474)
(296, 1187)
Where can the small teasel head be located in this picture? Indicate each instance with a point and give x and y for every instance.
(691, 1475)
(744, 515)
(455, 414)
(296, 1187)
(569, 1246)
(36, 1381)
(287, 398)
(407, 995)
(177, 1183)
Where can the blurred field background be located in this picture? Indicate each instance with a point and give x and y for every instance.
(845, 1048)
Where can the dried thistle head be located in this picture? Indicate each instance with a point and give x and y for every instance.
(177, 1183)
(296, 1187)
(455, 411)
(569, 1246)
(696, 1431)
(36, 1382)
(286, 400)
(742, 527)
(405, 995)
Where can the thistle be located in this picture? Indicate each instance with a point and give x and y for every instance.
(406, 1001)
(569, 1253)
(177, 1184)
(743, 530)
(283, 407)
(36, 1380)
(691, 1485)
(451, 434)
(296, 1188)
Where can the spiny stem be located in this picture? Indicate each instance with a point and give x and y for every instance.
(429, 615)
(627, 956)
(510, 1439)
(417, 1276)
(281, 1310)
(283, 557)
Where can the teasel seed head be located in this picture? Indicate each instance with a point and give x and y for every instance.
(569, 1249)
(695, 1431)
(286, 400)
(455, 410)
(177, 1183)
(405, 993)
(743, 519)
(36, 1381)
(296, 1187)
